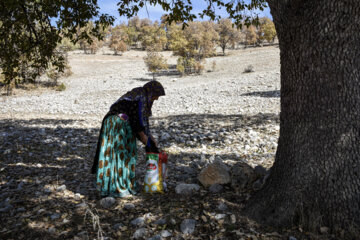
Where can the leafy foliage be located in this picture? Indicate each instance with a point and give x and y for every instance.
(153, 36)
(92, 44)
(267, 30)
(182, 11)
(28, 37)
(227, 33)
(192, 44)
(119, 39)
(251, 36)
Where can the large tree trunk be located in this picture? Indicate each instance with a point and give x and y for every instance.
(315, 180)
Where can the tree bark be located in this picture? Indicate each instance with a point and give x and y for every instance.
(315, 180)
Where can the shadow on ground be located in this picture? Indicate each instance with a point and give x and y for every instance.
(41, 157)
(265, 94)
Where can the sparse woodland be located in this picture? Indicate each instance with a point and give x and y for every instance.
(192, 45)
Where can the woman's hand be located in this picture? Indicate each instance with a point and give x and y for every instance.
(150, 144)
(153, 139)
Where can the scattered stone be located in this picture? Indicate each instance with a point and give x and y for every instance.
(118, 226)
(21, 209)
(165, 233)
(107, 202)
(40, 211)
(55, 216)
(140, 233)
(77, 196)
(139, 222)
(186, 189)
(188, 226)
(214, 173)
(7, 208)
(81, 236)
(160, 222)
(20, 186)
(220, 216)
(80, 205)
(156, 237)
(222, 207)
(216, 188)
(61, 188)
(129, 206)
(52, 230)
(173, 221)
(233, 219)
(242, 176)
(292, 238)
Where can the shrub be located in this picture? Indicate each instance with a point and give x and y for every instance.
(180, 66)
(155, 62)
(61, 87)
(198, 67)
(189, 65)
(118, 46)
(119, 39)
(213, 67)
(249, 69)
(66, 45)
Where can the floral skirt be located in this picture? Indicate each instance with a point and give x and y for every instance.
(115, 174)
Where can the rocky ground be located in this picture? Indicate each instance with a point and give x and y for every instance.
(48, 139)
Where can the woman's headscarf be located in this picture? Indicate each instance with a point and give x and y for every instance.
(144, 94)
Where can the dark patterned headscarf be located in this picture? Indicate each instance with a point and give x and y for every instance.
(144, 95)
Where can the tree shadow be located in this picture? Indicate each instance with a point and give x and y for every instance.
(44, 163)
(265, 94)
(143, 79)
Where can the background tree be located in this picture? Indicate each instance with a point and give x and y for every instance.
(209, 40)
(28, 37)
(134, 29)
(118, 39)
(315, 178)
(181, 47)
(266, 30)
(251, 36)
(92, 44)
(228, 34)
(192, 44)
(153, 36)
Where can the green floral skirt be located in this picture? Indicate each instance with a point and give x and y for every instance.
(117, 158)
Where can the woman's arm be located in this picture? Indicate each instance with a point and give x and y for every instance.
(143, 137)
